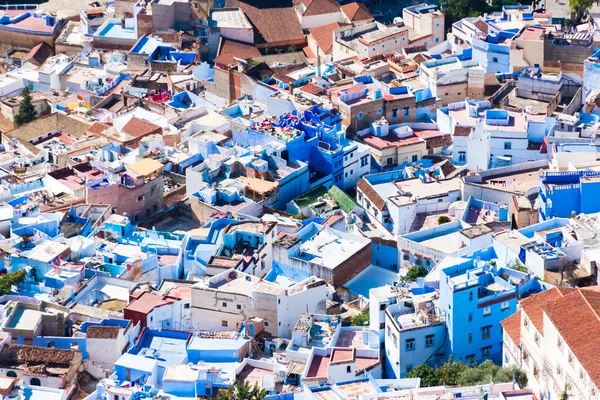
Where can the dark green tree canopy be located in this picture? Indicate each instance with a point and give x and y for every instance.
(27, 111)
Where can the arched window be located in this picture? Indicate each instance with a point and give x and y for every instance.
(35, 382)
(11, 374)
(348, 369)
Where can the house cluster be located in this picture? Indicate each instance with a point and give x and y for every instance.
(200, 197)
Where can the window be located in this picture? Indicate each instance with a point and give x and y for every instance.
(462, 156)
(395, 113)
(344, 113)
(470, 359)
(374, 49)
(437, 39)
(558, 343)
(429, 340)
(486, 332)
(495, 59)
(364, 161)
(239, 306)
(470, 296)
(348, 369)
(406, 111)
(390, 160)
(278, 301)
(351, 171)
(536, 338)
(507, 145)
(570, 358)
(140, 198)
(487, 311)
(224, 305)
(410, 344)
(338, 178)
(379, 111)
(485, 352)
(346, 175)
(437, 25)
(360, 115)
(382, 325)
(186, 306)
(266, 323)
(35, 382)
(415, 157)
(504, 306)
(11, 374)
(224, 323)
(470, 317)
(470, 338)
(382, 307)
(409, 368)
(346, 158)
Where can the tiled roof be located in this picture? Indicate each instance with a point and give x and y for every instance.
(38, 55)
(273, 20)
(357, 12)
(52, 122)
(323, 35)
(371, 194)
(512, 326)
(98, 128)
(102, 332)
(532, 306)
(231, 49)
(481, 25)
(138, 128)
(320, 7)
(460, 130)
(575, 317)
(311, 88)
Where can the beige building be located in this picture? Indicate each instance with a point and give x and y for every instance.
(425, 25)
(224, 301)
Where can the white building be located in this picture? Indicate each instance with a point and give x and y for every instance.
(484, 136)
(414, 333)
(555, 342)
(225, 300)
(368, 40)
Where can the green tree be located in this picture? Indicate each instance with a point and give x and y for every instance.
(450, 372)
(7, 281)
(580, 9)
(429, 376)
(564, 395)
(27, 111)
(488, 371)
(292, 48)
(414, 272)
(443, 219)
(361, 319)
(239, 391)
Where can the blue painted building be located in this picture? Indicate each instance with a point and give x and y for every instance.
(475, 296)
(311, 136)
(563, 194)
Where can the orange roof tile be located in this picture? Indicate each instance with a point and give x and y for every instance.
(512, 326)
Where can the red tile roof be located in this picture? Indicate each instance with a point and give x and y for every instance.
(146, 303)
(138, 128)
(273, 20)
(311, 88)
(320, 7)
(98, 128)
(323, 35)
(357, 12)
(371, 194)
(231, 49)
(532, 306)
(512, 326)
(575, 317)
